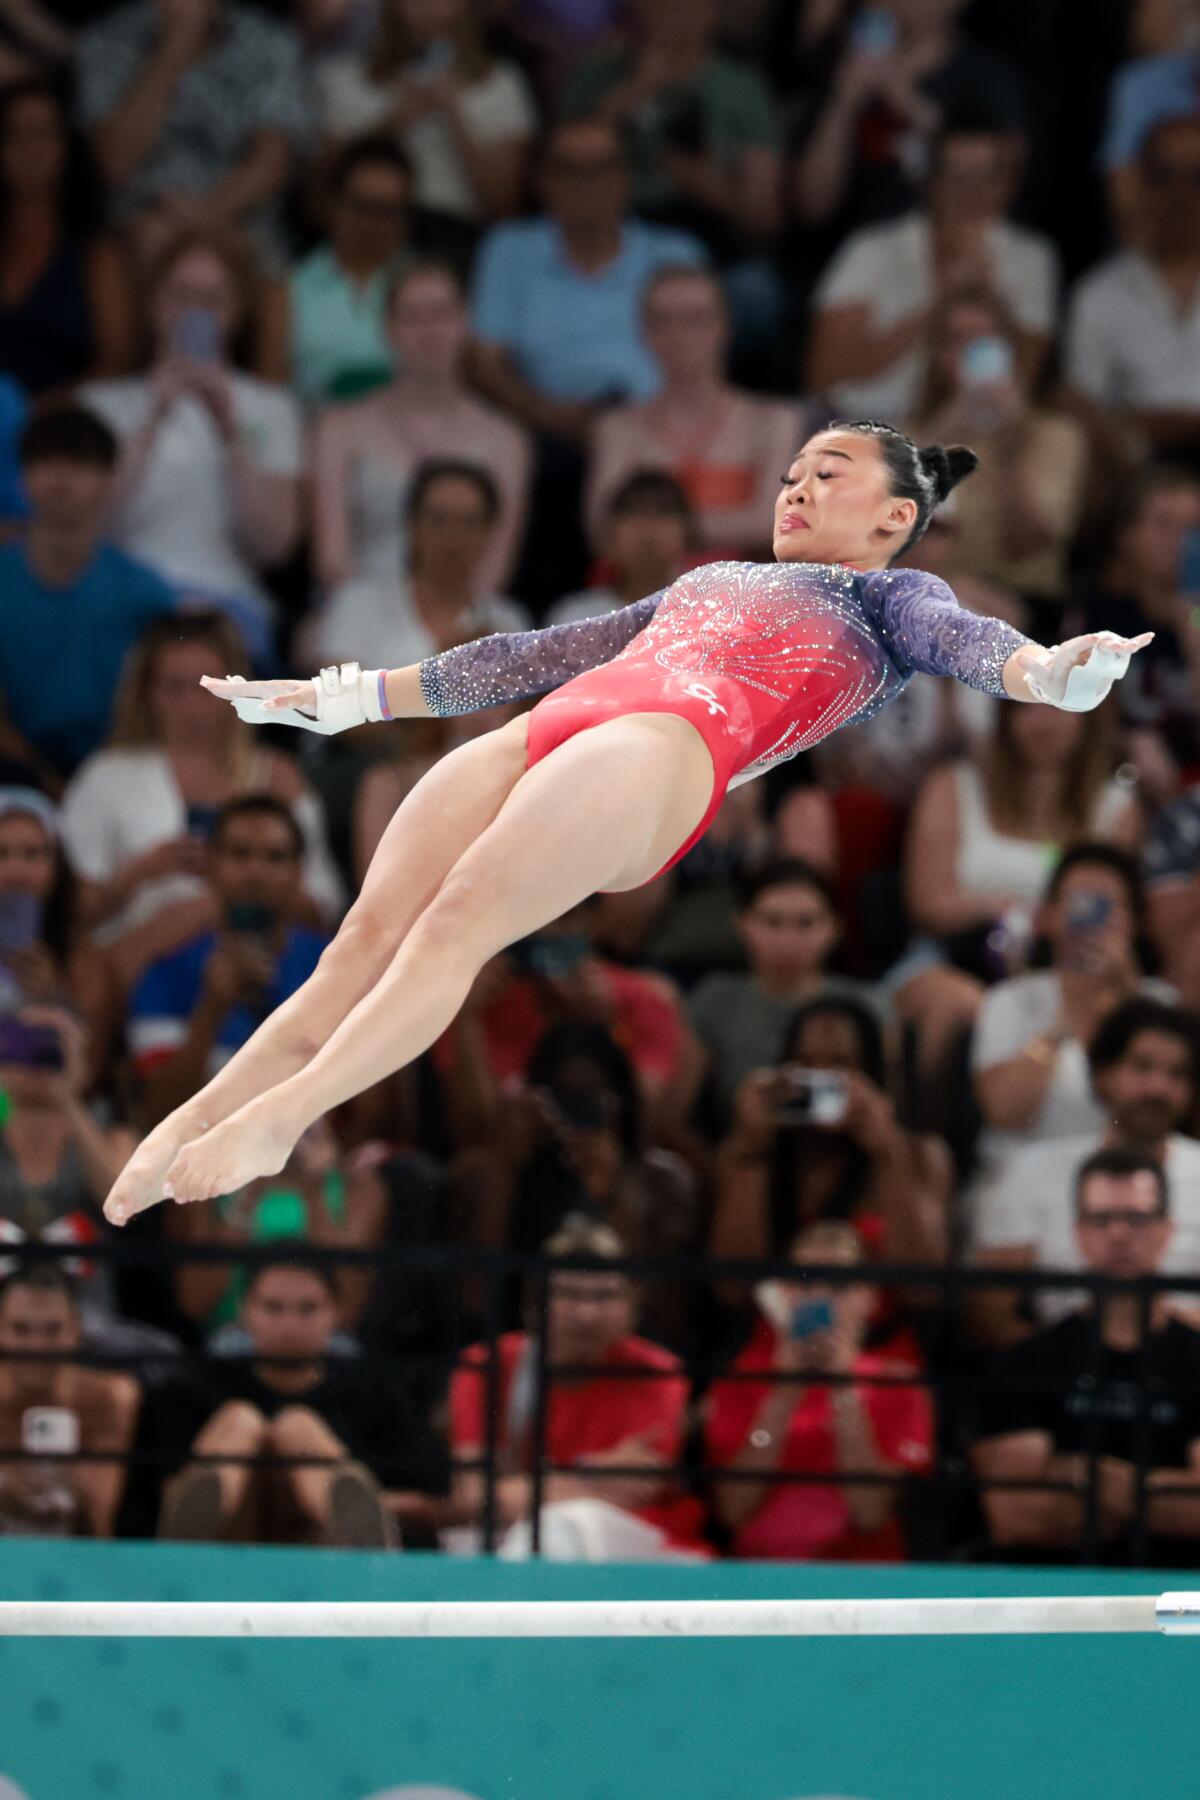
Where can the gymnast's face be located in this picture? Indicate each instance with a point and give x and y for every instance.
(834, 505)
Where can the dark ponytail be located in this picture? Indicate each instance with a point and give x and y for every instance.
(926, 476)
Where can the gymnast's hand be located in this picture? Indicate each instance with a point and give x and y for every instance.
(1077, 676)
(336, 700)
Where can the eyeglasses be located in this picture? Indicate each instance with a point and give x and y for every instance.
(1129, 1216)
(568, 168)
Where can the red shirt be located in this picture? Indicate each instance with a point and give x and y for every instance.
(647, 1023)
(806, 1522)
(583, 1418)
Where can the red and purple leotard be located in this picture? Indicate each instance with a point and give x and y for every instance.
(765, 660)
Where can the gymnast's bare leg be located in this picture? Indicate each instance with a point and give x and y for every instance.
(605, 810)
(443, 815)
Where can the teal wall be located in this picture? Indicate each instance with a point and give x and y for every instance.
(1109, 1718)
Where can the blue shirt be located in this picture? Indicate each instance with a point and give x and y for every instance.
(573, 334)
(62, 649)
(168, 993)
(1146, 93)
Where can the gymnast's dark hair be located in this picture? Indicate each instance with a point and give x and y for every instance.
(926, 476)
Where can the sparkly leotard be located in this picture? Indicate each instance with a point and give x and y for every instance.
(765, 660)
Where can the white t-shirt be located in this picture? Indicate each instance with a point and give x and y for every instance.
(497, 109)
(122, 802)
(995, 862)
(179, 518)
(373, 623)
(891, 267)
(1034, 1203)
(1128, 344)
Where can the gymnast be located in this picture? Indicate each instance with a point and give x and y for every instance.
(649, 715)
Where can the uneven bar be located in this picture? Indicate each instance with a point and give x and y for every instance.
(597, 1618)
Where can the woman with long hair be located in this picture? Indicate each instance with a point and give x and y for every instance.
(609, 780)
(136, 815)
(66, 297)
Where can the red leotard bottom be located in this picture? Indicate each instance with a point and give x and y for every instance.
(614, 690)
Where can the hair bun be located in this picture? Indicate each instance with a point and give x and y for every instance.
(948, 467)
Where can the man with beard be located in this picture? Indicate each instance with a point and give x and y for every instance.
(1145, 1065)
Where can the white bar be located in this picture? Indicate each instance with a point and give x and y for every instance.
(583, 1618)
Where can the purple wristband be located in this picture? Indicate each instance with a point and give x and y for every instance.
(383, 700)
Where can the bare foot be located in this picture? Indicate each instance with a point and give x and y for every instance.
(256, 1140)
(140, 1183)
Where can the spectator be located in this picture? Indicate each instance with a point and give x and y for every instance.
(44, 958)
(558, 975)
(438, 596)
(50, 1406)
(1149, 577)
(791, 1158)
(575, 1140)
(69, 600)
(705, 137)
(67, 307)
(1051, 1403)
(1134, 324)
(724, 445)
(557, 299)
(466, 118)
(57, 1162)
(333, 344)
(376, 1470)
(33, 39)
(982, 838)
(551, 35)
(210, 458)
(647, 537)
(787, 919)
(898, 82)
(137, 816)
(591, 1422)
(801, 1424)
(1145, 1066)
(876, 305)
(1172, 865)
(1160, 83)
(1015, 524)
(195, 111)
(366, 454)
(319, 1198)
(191, 1010)
(1029, 1053)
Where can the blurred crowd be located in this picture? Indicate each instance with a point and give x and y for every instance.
(360, 328)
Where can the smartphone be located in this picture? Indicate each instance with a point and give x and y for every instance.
(196, 334)
(811, 1097)
(684, 126)
(26, 1046)
(985, 361)
(809, 1317)
(20, 919)
(581, 1109)
(1189, 562)
(250, 917)
(436, 59)
(201, 820)
(550, 956)
(874, 31)
(1088, 911)
(50, 1431)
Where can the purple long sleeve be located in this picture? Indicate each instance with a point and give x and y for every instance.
(514, 665)
(923, 627)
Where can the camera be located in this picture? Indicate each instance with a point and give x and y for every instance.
(49, 1431)
(811, 1097)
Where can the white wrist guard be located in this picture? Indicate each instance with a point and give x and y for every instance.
(1083, 686)
(341, 698)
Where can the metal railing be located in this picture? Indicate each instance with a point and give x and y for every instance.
(949, 1482)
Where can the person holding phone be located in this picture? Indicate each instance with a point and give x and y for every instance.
(1016, 527)
(52, 1407)
(797, 1420)
(208, 488)
(1030, 1044)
